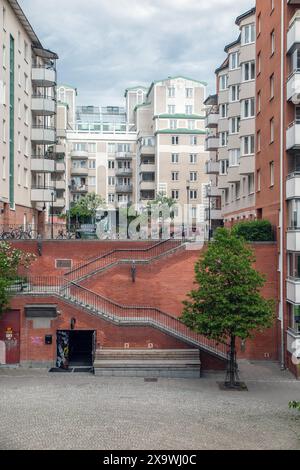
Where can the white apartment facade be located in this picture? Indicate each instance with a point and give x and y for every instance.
(28, 121)
(158, 149)
(230, 123)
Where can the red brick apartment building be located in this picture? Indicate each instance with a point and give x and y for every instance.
(255, 156)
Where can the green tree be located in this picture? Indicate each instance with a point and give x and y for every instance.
(165, 206)
(11, 260)
(228, 303)
(294, 405)
(87, 206)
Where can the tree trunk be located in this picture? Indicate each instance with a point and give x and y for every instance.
(232, 362)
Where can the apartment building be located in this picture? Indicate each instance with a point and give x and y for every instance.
(28, 121)
(230, 123)
(154, 145)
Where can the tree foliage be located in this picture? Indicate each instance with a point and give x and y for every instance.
(255, 231)
(11, 260)
(228, 301)
(294, 405)
(87, 206)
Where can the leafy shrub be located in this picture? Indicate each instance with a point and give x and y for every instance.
(255, 231)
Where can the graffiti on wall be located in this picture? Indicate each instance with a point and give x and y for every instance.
(63, 341)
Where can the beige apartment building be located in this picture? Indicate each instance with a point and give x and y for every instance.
(230, 123)
(28, 121)
(154, 145)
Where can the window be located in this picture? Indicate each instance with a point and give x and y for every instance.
(248, 71)
(26, 83)
(193, 176)
(92, 147)
(173, 124)
(26, 147)
(234, 93)
(248, 145)
(272, 130)
(258, 180)
(223, 111)
(294, 317)
(175, 140)
(272, 84)
(223, 139)
(272, 5)
(189, 109)
(259, 102)
(224, 167)
(258, 139)
(189, 92)
(193, 194)
(26, 48)
(4, 57)
(26, 115)
(111, 148)
(248, 34)
(294, 214)
(234, 157)
(250, 184)
(175, 175)
(4, 18)
(111, 164)
(92, 180)
(92, 164)
(259, 63)
(111, 198)
(19, 141)
(171, 92)
(171, 109)
(175, 194)
(4, 130)
(237, 190)
(234, 61)
(223, 82)
(193, 158)
(294, 267)
(19, 108)
(193, 140)
(175, 158)
(3, 168)
(3, 93)
(258, 24)
(234, 125)
(19, 175)
(297, 114)
(26, 183)
(111, 181)
(19, 76)
(271, 174)
(273, 42)
(248, 108)
(191, 125)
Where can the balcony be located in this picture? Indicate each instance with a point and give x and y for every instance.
(293, 87)
(293, 240)
(79, 188)
(39, 194)
(147, 185)
(59, 203)
(293, 186)
(124, 156)
(233, 174)
(293, 36)
(247, 165)
(124, 172)
(212, 168)
(42, 165)
(213, 191)
(211, 143)
(147, 168)
(215, 214)
(43, 135)
(212, 120)
(79, 154)
(293, 136)
(60, 149)
(60, 184)
(223, 182)
(43, 105)
(61, 133)
(293, 342)
(293, 290)
(124, 189)
(43, 76)
(60, 167)
(147, 150)
(80, 171)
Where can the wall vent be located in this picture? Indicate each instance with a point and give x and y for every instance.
(63, 264)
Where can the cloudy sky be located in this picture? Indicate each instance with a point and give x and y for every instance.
(106, 46)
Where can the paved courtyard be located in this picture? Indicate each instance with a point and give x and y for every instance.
(75, 411)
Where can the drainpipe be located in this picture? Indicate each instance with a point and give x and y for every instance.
(282, 202)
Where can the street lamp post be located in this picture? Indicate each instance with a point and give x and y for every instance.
(52, 215)
(209, 196)
(188, 187)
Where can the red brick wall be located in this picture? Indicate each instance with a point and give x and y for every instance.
(16, 217)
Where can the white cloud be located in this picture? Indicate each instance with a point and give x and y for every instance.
(107, 45)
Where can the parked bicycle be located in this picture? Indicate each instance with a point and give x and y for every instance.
(62, 235)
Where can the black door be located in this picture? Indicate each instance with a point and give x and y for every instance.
(81, 347)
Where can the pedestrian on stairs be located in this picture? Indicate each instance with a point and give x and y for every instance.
(133, 271)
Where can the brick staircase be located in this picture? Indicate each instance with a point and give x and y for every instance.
(148, 363)
(120, 256)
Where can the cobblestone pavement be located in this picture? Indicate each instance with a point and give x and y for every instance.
(77, 411)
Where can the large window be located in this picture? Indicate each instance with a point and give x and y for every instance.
(248, 71)
(248, 145)
(234, 61)
(294, 317)
(223, 82)
(248, 108)
(294, 265)
(234, 93)
(234, 157)
(234, 125)
(294, 214)
(248, 34)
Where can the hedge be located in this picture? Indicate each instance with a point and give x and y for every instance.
(255, 231)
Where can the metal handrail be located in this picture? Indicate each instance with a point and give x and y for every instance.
(43, 97)
(43, 126)
(100, 305)
(111, 257)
